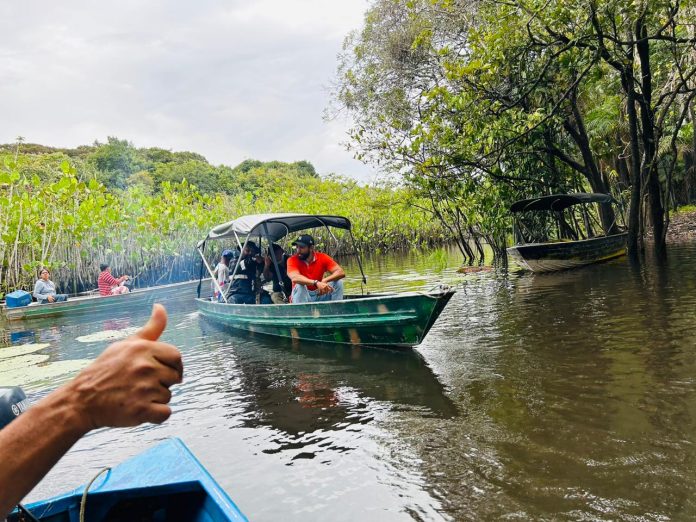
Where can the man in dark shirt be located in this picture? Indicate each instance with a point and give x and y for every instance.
(279, 295)
(248, 267)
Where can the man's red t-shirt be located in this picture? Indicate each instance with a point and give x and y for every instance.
(314, 270)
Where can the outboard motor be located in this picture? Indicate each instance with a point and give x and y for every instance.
(13, 401)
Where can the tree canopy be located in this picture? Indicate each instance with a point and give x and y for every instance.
(480, 103)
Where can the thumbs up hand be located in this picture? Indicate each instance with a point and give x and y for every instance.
(128, 384)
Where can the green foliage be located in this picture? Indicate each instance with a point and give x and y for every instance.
(59, 209)
(481, 103)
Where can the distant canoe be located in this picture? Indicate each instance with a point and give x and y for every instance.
(96, 303)
(164, 483)
(566, 238)
(549, 257)
(389, 320)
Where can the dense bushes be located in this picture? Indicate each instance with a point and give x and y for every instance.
(144, 210)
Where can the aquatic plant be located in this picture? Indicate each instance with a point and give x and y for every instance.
(55, 212)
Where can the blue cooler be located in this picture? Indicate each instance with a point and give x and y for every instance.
(17, 298)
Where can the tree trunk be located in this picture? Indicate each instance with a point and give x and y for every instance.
(592, 173)
(634, 208)
(649, 163)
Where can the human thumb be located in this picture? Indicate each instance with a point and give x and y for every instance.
(155, 326)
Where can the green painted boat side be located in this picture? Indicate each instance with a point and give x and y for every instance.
(89, 304)
(390, 320)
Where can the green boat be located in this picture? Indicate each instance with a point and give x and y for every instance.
(395, 320)
(562, 239)
(96, 303)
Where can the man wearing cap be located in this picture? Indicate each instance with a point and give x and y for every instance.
(307, 270)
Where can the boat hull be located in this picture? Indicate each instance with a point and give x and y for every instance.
(164, 483)
(551, 257)
(96, 303)
(393, 320)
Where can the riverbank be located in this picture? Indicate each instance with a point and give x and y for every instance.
(682, 226)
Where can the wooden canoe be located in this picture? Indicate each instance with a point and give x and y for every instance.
(562, 255)
(95, 303)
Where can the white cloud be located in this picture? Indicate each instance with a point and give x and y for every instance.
(231, 80)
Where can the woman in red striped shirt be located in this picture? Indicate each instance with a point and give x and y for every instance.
(110, 285)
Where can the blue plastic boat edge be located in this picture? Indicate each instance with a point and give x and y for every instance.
(168, 468)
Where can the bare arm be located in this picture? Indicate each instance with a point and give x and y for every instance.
(299, 279)
(128, 384)
(334, 275)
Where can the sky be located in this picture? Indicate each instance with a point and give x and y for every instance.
(231, 80)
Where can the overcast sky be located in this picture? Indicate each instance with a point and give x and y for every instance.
(232, 79)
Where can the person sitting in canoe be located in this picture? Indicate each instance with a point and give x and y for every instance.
(45, 289)
(110, 285)
(248, 267)
(307, 269)
(278, 295)
(222, 273)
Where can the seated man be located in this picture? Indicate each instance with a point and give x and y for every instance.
(110, 285)
(248, 267)
(270, 273)
(45, 289)
(307, 269)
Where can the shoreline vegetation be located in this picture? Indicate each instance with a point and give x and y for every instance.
(143, 210)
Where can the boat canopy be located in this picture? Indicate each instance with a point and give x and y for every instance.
(275, 226)
(559, 201)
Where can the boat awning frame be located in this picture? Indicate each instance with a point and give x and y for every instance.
(272, 227)
(558, 202)
(275, 226)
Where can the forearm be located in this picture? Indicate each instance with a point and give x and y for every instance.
(32, 444)
(299, 279)
(335, 276)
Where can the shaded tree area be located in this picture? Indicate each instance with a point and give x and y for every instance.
(477, 104)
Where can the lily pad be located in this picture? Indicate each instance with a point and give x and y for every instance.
(22, 361)
(107, 335)
(36, 374)
(23, 349)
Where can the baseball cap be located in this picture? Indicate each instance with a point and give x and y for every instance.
(304, 240)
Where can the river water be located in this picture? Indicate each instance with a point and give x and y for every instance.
(567, 396)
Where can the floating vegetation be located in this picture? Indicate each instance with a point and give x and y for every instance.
(24, 349)
(22, 361)
(21, 366)
(107, 335)
(473, 269)
(50, 373)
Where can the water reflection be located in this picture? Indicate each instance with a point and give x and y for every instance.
(565, 396)
(299, 388)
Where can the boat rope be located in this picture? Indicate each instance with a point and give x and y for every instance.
(83, 502)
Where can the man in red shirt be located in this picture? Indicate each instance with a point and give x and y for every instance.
(307, 270)
(110, 285)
